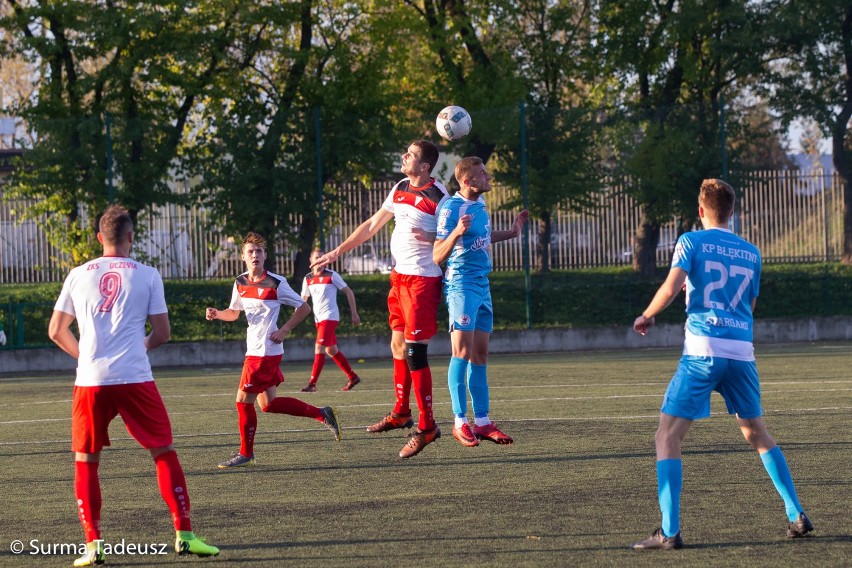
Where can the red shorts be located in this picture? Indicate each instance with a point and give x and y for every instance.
(139, 405)
(261, 373)
(413, 305)
(327, 332)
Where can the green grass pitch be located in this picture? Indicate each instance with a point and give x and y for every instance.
(575, 489)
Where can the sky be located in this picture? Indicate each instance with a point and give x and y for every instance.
(794, 133)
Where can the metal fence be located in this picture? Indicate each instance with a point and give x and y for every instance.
(793, 216)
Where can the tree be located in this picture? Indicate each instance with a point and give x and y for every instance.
(306, 87)
(146, 65)
(672, 60)
(550, 42)
(812, 78)
(754, 140)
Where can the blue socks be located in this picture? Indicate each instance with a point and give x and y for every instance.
(776, 467)
(669, 485)
(477, 383)
(455, 379)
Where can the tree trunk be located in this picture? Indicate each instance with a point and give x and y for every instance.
(542, 247)
(645, 247)
(307, 234)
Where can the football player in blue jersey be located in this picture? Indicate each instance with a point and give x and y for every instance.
(720, 273)
(464, 242)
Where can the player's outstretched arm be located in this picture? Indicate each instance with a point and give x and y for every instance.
(362, 234)
(515, 231)
(666, 293)
(224, 315)
(59, 331)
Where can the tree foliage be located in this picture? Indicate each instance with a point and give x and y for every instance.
(812, 78)
(263, 107)
(145, 65)
(673, 61)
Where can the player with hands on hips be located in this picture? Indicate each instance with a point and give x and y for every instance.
(260, 294)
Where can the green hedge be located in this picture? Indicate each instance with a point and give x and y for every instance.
(572, 298)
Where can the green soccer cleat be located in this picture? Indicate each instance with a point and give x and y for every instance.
(195, 546)
(94, 555)
(330, 420)
(237, 460)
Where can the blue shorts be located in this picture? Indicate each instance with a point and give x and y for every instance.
(688, 394)
(470, 307)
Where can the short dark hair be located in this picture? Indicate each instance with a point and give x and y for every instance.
(718, 198)
(254, 239)
(428, 153)
(115, 223)
(465, 165)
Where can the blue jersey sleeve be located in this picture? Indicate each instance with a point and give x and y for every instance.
(448, 218)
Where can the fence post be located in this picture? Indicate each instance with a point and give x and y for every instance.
(19, 324)
(110, 186)
(321, 222)
(826, 218)
(526, 240)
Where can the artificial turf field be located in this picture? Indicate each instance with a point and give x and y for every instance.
(575, 489)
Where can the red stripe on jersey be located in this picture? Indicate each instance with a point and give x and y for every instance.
(254, 292)
(419, 198)
(320, 279)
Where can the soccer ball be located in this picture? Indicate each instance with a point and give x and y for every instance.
(453, 122)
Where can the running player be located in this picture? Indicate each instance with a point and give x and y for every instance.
(322, 284)
(415, 288)
(722, 276)
(260, 294)
(464, 241)
(111, 298)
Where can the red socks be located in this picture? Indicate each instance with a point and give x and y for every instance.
(294, 407)
(87, 489)
(401, 386)
(422, 379)
(319, 362)
(248, 426)
(343, 363)
(170, 478)
(172, 484)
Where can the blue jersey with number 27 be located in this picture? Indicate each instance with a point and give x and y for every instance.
(723, 280)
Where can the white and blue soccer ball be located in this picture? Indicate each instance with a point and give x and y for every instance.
(453, 122)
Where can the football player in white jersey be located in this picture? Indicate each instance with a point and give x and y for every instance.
(260, 295)
(321, 286)
(112, 297)
(721, 275)
(415, 288)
